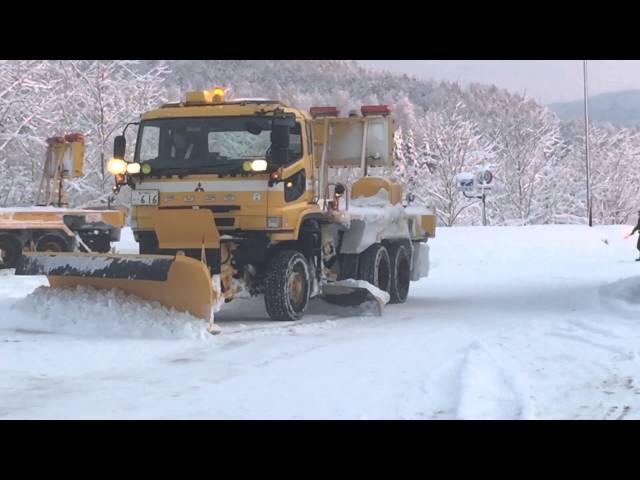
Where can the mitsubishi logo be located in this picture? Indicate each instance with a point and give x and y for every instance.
(199, 188)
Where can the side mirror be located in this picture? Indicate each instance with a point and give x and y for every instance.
(280, 157)
(119, 147)
(280, 137)
(281, 126)
(280, 145)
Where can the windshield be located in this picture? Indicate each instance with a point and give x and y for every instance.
(208, 145)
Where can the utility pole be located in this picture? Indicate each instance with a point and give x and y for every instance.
(484, 209)
(586, 142)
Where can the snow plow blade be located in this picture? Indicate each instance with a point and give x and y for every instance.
(177, 282)
(352, 292)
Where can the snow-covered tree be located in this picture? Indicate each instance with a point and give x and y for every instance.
(443, 128)
(99, 99)
(26, 94)
(450, 144)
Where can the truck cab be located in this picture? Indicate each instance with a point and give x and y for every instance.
(220, 156)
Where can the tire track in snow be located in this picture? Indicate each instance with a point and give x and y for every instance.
(583, 339)
(487, 389)
(583, 325)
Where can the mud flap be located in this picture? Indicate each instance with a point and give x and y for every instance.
(178, 282)
(351, 292)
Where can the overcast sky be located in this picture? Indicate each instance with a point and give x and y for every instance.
(546, 80)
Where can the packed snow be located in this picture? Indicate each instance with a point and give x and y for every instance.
(512, 323)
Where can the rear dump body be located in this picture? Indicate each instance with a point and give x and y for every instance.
(207, 236)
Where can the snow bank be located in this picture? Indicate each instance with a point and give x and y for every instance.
(534, 245)
(90, 312)
(623, 296)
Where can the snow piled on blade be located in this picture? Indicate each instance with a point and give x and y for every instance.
(364, 285)
(321, 307)
(88, 264)
(91, 312)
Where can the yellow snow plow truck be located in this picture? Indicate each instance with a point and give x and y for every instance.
(236, 198)
(51, 226)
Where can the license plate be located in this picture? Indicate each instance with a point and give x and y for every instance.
(144, 197)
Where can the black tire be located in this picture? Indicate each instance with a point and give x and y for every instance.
(53, 243)
(287, 285)
(11, 250)
(400, 258)
(101, 246)
(375, 267)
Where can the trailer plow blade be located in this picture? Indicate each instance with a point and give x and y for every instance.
(352, 292)
(178, 282)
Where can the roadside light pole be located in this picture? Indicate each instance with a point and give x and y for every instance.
(586, 142)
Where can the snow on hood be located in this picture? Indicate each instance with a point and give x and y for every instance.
(90, 312)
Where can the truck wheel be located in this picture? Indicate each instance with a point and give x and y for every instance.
(374, 266)
(53, 243)
(400, 258)
(287, 285)
(10, 250)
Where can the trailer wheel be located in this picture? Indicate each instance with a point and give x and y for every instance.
(53, 243)
(287, 286)
(11, 250)
(400, 258)
(374, 266)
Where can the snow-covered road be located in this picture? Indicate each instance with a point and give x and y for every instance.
(529, 322)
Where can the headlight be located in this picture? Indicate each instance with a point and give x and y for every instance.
(133, 168)
(259, 165)
(116, 166)
(274, 222)
(146, 168)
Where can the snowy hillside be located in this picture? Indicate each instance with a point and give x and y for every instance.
(618, 108)
(444, 129)
(527, 322)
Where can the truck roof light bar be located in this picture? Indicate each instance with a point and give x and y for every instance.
(324, 112)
